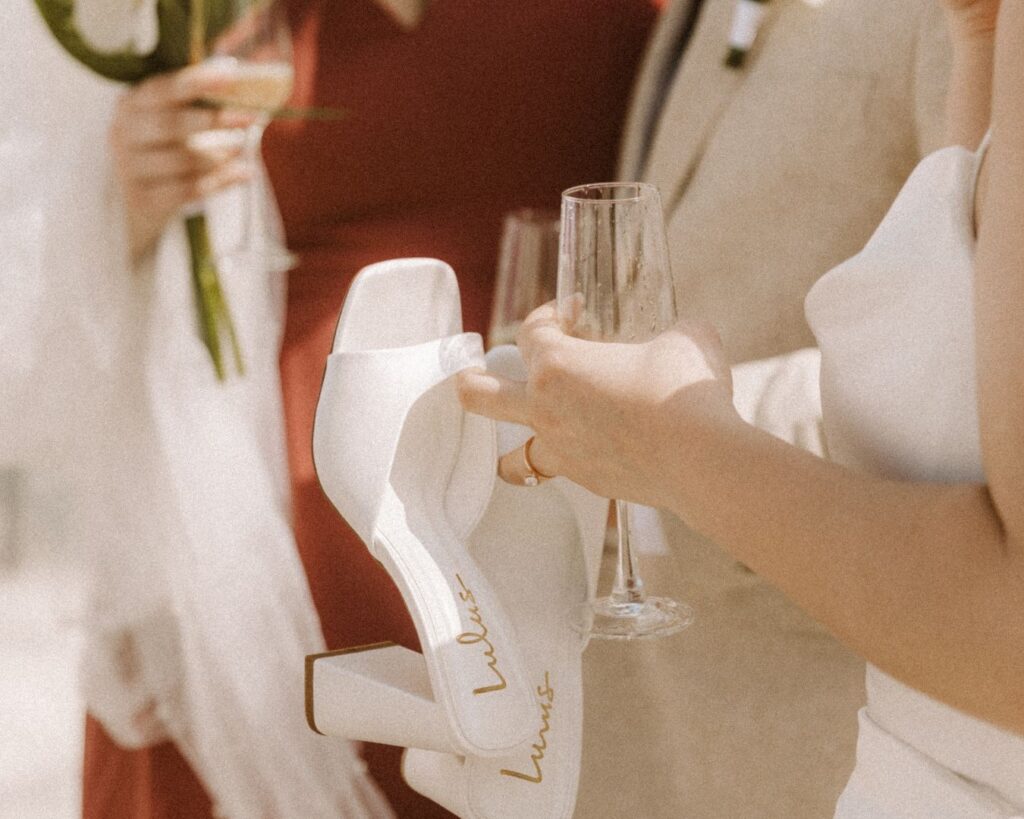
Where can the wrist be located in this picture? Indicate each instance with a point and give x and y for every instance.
(702, 435)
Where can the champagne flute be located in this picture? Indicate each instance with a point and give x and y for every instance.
(258, 44)
(615, 284)
(527, 270)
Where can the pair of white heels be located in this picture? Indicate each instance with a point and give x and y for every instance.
(491, 712)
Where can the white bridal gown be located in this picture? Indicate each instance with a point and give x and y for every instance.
(896, 329)
(173, 486)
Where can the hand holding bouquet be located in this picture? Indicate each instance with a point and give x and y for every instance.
(160, 135)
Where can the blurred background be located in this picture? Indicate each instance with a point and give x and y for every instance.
(41, 715)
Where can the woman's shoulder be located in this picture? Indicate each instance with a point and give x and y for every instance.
(929, 228)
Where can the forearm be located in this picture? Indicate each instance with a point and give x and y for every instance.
(999, 284)
(914, 577)
(924, 580)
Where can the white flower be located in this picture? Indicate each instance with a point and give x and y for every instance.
(118, 25)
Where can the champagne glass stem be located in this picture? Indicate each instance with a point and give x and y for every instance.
(615, 285)
(628, 587)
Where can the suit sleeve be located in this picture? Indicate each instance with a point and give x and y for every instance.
(781, 396)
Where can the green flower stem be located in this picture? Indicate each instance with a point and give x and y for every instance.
(210, 303)
(229, 328)
(177, 45)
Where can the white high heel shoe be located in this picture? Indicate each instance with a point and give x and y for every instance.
(412, 473)
(541, 547)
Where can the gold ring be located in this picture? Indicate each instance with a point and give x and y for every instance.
(533, 475)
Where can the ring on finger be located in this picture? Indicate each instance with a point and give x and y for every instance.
(533, 475)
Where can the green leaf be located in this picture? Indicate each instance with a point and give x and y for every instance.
(211, 306)
(220, 14)
(172, 49)
(204, 283)
(123, 67)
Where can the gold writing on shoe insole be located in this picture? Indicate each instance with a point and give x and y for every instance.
(546, 695)
(469, 638)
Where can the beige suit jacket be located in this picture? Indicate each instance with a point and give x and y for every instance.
(770, 176)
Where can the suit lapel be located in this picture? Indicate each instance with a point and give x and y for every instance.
(647, 89)
(700, 92)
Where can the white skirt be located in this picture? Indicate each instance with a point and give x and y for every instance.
(892, 780)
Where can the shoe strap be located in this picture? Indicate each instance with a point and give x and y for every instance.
(364, 401)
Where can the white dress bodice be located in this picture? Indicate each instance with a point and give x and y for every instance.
(895, 325)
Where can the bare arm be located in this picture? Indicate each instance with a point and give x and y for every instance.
(924, 580)
(972, 27)
(999, 285)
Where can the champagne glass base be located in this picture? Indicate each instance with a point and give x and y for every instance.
(606, 619)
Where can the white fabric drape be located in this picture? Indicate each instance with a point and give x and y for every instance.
(200, 615)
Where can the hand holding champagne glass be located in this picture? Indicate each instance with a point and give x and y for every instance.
(258, 44)
(614, 284)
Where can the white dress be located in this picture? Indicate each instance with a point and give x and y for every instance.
(896, 329)
(172, 488)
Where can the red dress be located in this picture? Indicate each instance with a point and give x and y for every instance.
(483, 108)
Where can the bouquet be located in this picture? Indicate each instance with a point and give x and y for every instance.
(128, 41)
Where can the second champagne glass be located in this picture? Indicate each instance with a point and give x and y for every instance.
(527, 270)
(259, 45)
(614, 284)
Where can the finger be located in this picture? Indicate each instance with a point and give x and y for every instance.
(541, 328)
(219, 144)
(163, 127)
(484, 393)
(188, 85)
(172, 125)
(172, 163)
(513, 468)
(547, 312)
(225, 176)
(169, 195)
